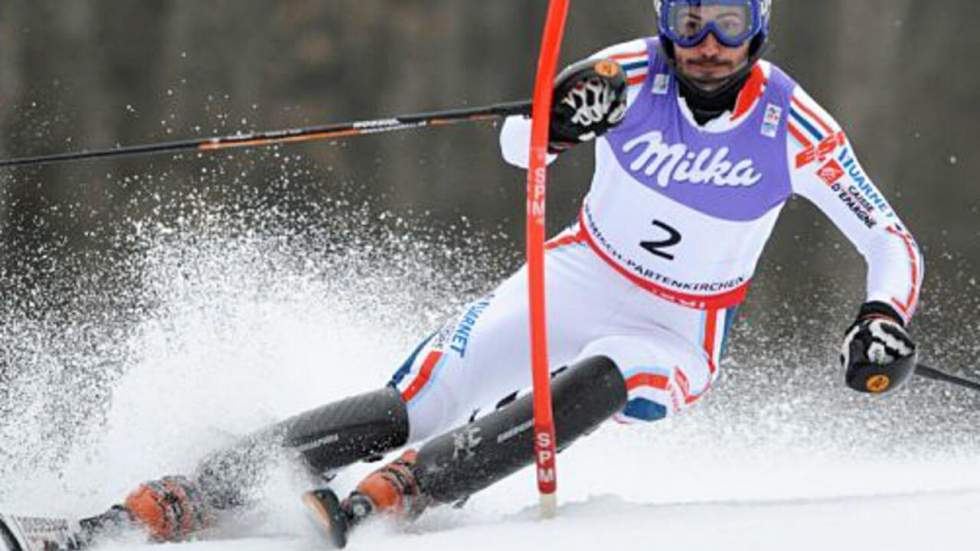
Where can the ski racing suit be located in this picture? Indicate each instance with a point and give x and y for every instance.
(665, 247)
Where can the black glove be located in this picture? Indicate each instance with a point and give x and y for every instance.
(878, 354)
(590, 98)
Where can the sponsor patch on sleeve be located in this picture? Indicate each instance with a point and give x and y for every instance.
(821, 151)
(831, 172)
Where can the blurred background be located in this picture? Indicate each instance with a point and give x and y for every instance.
(74, 75)
(75, 239)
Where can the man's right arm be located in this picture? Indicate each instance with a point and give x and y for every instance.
(515, 136)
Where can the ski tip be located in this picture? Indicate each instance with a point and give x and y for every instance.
(19, 533)
(8, 541)
(326, 513)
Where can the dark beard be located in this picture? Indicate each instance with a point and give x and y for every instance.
(709, 85)
(707, 106)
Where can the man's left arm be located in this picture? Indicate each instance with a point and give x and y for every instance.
(825, 169)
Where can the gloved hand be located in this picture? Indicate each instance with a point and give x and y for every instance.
(878, 354)
(590, 98)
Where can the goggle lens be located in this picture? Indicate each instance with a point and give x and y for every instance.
(732, 23)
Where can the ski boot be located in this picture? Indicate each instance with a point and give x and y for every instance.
(171, 509)
(391, 490)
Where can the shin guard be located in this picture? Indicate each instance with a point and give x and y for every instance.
(326, 439)
(466, 460)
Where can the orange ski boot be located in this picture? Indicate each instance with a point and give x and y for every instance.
(171, 509)
(392, 489)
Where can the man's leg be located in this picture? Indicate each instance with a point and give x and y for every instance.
(325, 439)
(463, 461)
(649, 379)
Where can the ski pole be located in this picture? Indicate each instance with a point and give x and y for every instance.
(934, 374)
(293, 135)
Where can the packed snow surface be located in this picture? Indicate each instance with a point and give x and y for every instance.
(227, 330)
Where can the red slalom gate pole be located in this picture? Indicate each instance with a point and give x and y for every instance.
(537, 176)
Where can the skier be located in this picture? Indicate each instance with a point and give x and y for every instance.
(699, 144)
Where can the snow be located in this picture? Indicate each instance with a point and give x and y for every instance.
(900, 522)
(886, 522)
(240, 335)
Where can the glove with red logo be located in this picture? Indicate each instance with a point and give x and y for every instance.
(878, 354)
(590, 98)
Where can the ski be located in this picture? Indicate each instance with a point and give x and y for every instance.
(22, 533)
(28, 533)
(40, 534)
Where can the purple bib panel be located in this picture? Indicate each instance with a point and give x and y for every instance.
(737, 175)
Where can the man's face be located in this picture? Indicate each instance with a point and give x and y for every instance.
(710, 63)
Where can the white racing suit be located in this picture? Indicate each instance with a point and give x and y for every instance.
(664, 252)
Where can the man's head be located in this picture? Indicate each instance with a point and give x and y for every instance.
(713, 41)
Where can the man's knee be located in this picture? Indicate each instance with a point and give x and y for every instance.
(657, 393)
(662, 379)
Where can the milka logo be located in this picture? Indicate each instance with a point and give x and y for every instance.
(675, 163)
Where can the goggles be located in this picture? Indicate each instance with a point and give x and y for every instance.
(688, 22)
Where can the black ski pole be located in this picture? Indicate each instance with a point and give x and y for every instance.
(294, 135)
(937, 375)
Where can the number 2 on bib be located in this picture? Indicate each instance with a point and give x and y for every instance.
(658, 247)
